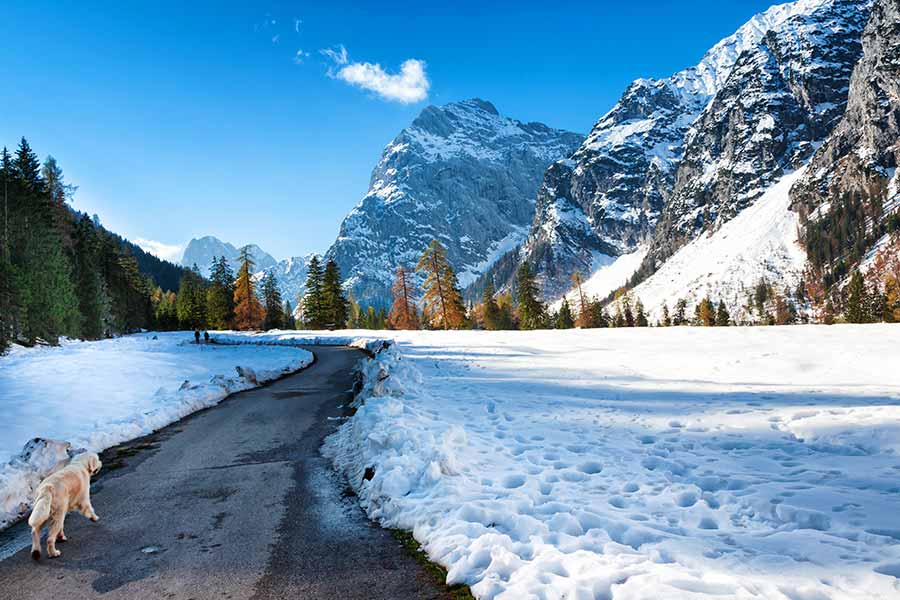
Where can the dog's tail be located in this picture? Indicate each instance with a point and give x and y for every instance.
(39, 515)
(41, 511)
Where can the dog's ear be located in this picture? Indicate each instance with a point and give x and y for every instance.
(94, 464)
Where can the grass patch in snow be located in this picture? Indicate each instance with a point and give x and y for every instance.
(439, 573)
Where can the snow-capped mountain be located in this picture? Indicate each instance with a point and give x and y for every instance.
(852, 184)
(460, 173)
(678, 158)
(290, 275)
(201, 251)
(783, 97)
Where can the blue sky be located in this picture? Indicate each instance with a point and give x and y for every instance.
(178, 121)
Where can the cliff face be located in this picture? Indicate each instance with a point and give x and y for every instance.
(462, 174)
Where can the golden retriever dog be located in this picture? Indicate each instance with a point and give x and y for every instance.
(65, 489)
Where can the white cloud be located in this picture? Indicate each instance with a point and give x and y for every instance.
(338, 55)
(172, 253)
(300, 56)
(409, 85)
(297, 23)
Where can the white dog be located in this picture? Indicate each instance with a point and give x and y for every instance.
(68, 488)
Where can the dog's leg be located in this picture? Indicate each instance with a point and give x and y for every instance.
(62, 530)
(86, 509)
(55, 529)
(36, 542)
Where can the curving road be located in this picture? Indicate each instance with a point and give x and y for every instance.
(233, 502)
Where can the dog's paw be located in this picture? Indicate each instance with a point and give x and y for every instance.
(61, 539)
(36, 554)
(53, 553)
(95, 518)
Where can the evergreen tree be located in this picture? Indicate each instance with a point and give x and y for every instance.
(90, 286)
(627, 313)
(220, 294)
(248, 312)
(532, 312)
(680, 317)
(335, 308)
(403, 314)
(857, 300)
(598, 315)
(666, 318)
(191, 300)
(290, 322)
(640, 315)
(564, 318)
(723, 319)
(313, 306)
(274, 318)
(442, 302)
(493, 319)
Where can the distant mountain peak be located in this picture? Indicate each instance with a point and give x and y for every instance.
(201, 251)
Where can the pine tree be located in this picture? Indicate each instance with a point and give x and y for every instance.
(666, 318)
(680, 317)
(313, 308)
(274, 318)
(220, 294)
(532, 312)
(857, 300)
(723, 319)
(493, 318)
(290, 322)
(640, 315)
(335, 308)
(599, 316)
(564, 318)
(627, 313)
(248, 312)
(7, 318)
(442, 302)
(90, 287)
(403, 313)
(191, 300)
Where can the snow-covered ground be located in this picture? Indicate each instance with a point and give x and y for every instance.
(96, 394)
(640, 463)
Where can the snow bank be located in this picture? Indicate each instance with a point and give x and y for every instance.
(628, 463)
(95, 395)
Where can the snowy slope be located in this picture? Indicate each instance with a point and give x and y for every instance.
(761, 242)
(678, 463)
(97, 394)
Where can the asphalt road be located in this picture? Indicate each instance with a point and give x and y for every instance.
(234, 502)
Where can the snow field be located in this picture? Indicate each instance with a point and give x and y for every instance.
(628, 463)
(95, 395)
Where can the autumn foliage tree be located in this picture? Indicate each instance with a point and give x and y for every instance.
(248, 312)
(403, 314)
(442, 301)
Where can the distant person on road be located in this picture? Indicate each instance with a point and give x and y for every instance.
(196, 336)
(205, 337)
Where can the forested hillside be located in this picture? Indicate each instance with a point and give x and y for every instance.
(61, 272)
